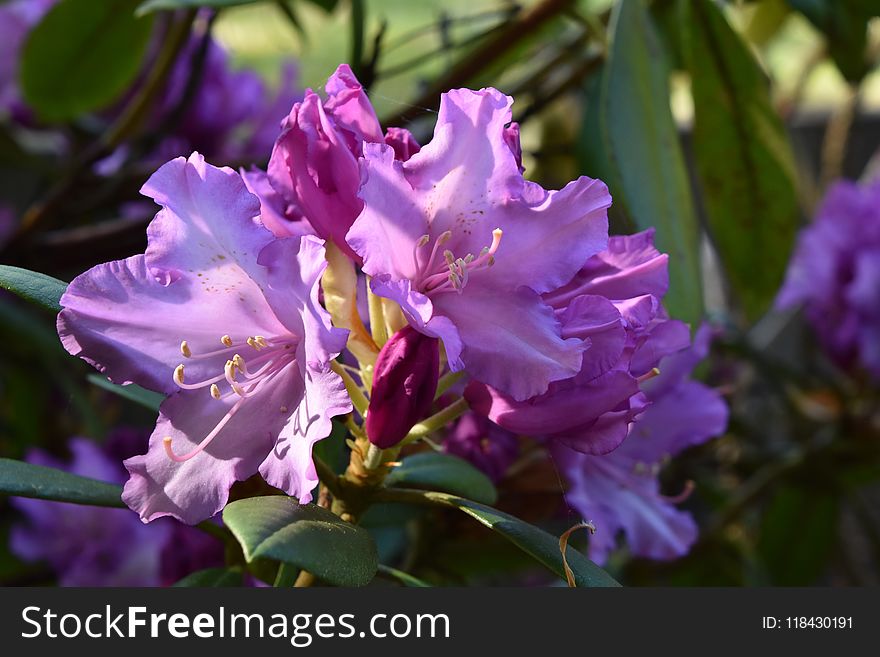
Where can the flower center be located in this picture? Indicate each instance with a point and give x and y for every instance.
(451, 274)
(272, 355)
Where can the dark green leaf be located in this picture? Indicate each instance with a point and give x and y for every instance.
(211, 577)
(37, 288)
(404, 578)
(158, 5)
(743, 158)
(307, 536)
(132, 392)
(798, 530)
(29, 480)
(443, 472)
(641, 137)
(82, 56)
(543, 547)
(845, 26)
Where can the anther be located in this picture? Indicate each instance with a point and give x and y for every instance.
(238, 361)
(649, 375)
(185, 350)
(450, 258)
(178, 375)
(226, 340)
(423, 240)
(215, 391)
(260, 340)
(444, 237)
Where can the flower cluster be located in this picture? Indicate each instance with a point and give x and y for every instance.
(484, 292)
(835, 274)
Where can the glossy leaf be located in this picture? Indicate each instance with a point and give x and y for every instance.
(307, 536)
(82, 56)
(37, 288)
(540, 545)
(443, 472)
(211, 578)
(642, 140)
(743, 158)
(132, 392)
(38, 481)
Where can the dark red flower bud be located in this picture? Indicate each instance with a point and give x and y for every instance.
(404, 384)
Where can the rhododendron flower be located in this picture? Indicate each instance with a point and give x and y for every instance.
(466, 246)
(613, 305)
(314, 165)
(620, 492)
(404, 382)
(835, 273)
(223, 318)
(484, 444)
(96, 546)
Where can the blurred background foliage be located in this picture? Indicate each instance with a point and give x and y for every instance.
(718, 123)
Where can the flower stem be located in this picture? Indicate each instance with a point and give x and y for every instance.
(437, 421)
(447, 381)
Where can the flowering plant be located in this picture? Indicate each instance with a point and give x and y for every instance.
(354, 335)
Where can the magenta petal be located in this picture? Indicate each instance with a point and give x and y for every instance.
(289, 464)
(403, 143)
(282, 219)
(349, 106)
(198, 488)
(517, 328)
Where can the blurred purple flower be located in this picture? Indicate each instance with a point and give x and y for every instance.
(613, 305)
(430, 236)
(217, 290)
(17, 17)
(620, 491)
(484, 444)
(835, 274)
(95, 546)
(314, 165)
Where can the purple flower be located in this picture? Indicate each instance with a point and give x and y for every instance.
(17, 17)
(613, 305)
(314, 165)
(484, 444)
(835, 274)
(620, 491)
(404, 382)
(215, 290)
(94, 546)
(466, 246)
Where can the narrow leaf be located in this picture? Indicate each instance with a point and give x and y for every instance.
(132, 392)
(651, 180)
(170, 5)
(37, 288)
(37, 481)
(443, 472)
(211, 577)
(743, 158)
(307, 536)
(404, 578)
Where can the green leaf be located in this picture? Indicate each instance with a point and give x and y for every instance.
(845, 26)
(37, 481)
(443, 472)
(82, 56)
(307, 536)
(641, 137)
(537, 543)
(170, 5)
(211, 577)
(404, 578)
(132, 392)
(743, 158)
(37, 288)
(798, 531)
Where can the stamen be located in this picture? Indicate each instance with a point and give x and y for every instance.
(444, 237)
(185, 350)
(226, 340)
(260, 340)
(178, 375)
(423, 240)
(689, 487)
(649, 375)
(166, 442)
(215, 391)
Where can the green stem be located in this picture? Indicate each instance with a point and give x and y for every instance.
(436, 421)
(358, 398)
(286, 577)
(329, 478)
(446, 382)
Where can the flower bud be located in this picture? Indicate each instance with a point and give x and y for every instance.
(404, 384)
